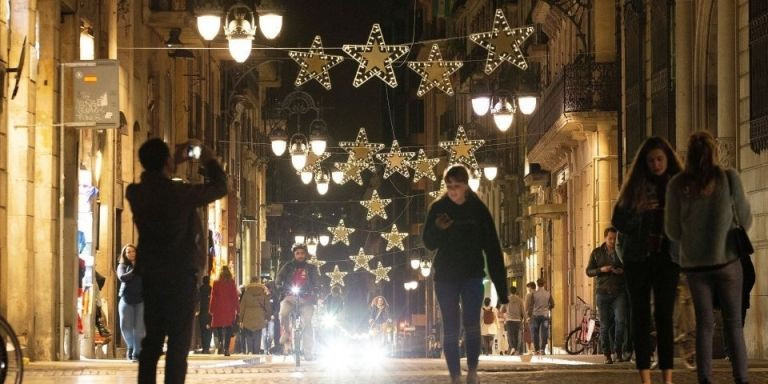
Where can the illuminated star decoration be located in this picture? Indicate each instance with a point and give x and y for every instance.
(381, 272)
(352, 171)
(503, 43)
(375, 58)
(462, 150)
(422, 167)
(396, 161)
(340, 233)
(315, 64)
(314, 163)
(361, 150)
(394, 238)
(337, 277)
(440, 192)
(376, 206)
(315, 261)
(361, 260)
(435, 72)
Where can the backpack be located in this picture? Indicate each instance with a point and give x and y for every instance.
(488, 317)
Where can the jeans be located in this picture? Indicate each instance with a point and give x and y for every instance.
(613, 310)
(252, 338)
(659, 274)
(513, 335)
(306, 309)
(470, 293)
(725, 283)
(540, 333)
(169, 310)
(132, 325)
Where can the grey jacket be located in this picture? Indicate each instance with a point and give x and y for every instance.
(701, 224)
(539, 303)
(513, 310)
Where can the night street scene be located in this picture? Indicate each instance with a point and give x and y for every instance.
(384, 191)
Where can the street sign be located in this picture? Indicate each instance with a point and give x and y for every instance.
(95, 88)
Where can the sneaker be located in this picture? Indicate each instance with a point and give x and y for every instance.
(472, 377)
(456, 380)
(129, 354)
(608, 359)
(690, 361)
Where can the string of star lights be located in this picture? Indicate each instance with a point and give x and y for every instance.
(361, 260)
(503, 43)
(361, 150)
(340, 233)
(381, 272)
(396, 161)
(435, 72)
(315, 64)
(462, 150)
(394, 238)
(375, 58)
(337, 276)
(376, 206)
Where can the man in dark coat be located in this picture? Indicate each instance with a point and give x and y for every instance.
(170, 251)
(203, 317)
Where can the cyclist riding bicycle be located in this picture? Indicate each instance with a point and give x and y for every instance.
(298, 282)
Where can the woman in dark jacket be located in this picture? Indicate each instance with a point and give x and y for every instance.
(649, 257)
(131, 306)
(460, 227)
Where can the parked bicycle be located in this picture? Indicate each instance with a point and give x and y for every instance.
(11, 358)
(585, 338)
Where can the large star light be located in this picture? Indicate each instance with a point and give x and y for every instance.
(394, 238)
(315, 64)
(352, 171)
(315, 261)
(462, 150)
(361, 150)
(314, 163)
(435, 72)
(396, 161)
(439, 192)
(340, 233)
(503, 43)
(337, 276)
(375, 58)
(361, 260)
(376, 206)
(423, 167)
(381, 272)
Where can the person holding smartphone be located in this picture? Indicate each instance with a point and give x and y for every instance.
(461, 229)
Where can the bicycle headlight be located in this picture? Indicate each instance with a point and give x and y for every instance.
(295, 290)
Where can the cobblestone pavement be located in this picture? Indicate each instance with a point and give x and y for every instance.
(547, 370)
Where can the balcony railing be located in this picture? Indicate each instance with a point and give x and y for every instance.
(581, 87)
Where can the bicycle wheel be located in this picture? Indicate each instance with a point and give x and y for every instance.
(573, 345)
(297, 344)
(11, 358)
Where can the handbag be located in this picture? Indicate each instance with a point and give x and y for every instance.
(738, 235)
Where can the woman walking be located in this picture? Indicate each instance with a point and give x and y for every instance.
(131, 306)
(703, 203)
(650, 259)
(460, 227)
(224, 307)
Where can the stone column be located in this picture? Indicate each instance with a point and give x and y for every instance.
(726, 82)
(684, 62)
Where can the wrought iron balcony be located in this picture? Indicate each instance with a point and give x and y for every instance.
(581, 87)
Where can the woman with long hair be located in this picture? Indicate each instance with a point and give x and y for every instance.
(224, 307)
(649, 257)
(461, 229)
(703, 203)
(131, 305)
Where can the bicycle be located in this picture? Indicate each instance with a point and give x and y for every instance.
(11, 357)
(297, 327)
(585, 338)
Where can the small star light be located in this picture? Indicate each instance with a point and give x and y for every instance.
(375, 58)
(381, 272)
(314, 163)
(394, 238)
(361, 149)
(337, 277)
(503, 43)
(440, 192)
(462, 150)
(340, 233)
(315, 64)
(315, 261)
(423, 167)
(376, 206)
(361, 260)
(352, 171)
(396, 161)
(435, 72)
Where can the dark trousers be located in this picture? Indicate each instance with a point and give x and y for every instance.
(169, 303)
(470, 294)
(657, 274)
(487, 344)
(513, 335)
(252, 340)
(204, 319)
(223, 337)
(540, 333)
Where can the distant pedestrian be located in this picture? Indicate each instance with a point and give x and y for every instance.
(461, 229)
(704, 202)
(224, 308)
(513, 313)
(204, 317)
(255, 309)
(528, 322)
(488, 326)
(539, 307)
(170, 253)
(608, 272)
(131, 306)
(650, 259)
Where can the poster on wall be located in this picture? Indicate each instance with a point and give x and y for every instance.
(96, 101)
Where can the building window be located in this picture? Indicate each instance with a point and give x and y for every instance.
(758, 75)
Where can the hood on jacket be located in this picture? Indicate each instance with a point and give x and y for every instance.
(256, 289)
